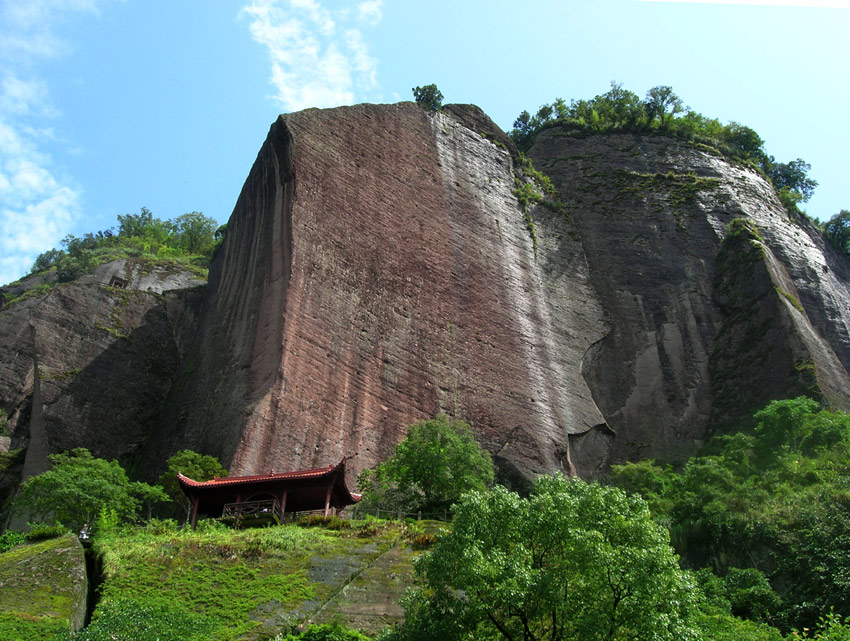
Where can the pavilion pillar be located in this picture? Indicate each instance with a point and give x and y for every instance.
(328, 498)
(194, 511)
(283, 505)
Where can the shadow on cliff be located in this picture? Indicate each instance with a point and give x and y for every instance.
(116, 401)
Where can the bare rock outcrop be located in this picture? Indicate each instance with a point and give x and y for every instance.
(376, 271)
(652, 214)
(378, 268)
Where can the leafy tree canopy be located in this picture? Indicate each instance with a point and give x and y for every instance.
(429, 97)
(573, 561)
(78, 487)
(431, 468)
(662, 111)
(837, 231)
(767, 510)
(190, 237)
(198, 467)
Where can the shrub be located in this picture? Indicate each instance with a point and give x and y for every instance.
(319, 520)
(10, 539)
(325, 632)
(42, 531)
(428, 97)
(431, 468)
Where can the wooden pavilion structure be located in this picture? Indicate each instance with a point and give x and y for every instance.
(264, 498)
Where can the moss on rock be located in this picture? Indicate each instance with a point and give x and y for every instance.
(43, 588)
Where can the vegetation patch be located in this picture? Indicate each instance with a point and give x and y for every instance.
(532, 187)
(677, 191)
(34, 292)
(791, 299)
(17, 626)
(765, 513)
(230, 581)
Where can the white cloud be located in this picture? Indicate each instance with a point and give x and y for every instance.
(38, 205)
(369, 11)
(318, 58)
(808, 4)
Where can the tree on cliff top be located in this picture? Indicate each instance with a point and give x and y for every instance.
(428, 97)
(573, 561)
(431, 468)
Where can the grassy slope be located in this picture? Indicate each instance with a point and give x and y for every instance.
(248, 584)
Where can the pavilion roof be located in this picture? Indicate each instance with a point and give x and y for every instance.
(254, 479)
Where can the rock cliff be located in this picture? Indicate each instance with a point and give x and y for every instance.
(106, 358)
(376, 271)
(697, 335)
(378, 268)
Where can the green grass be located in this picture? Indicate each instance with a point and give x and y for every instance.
(17, 626)
(227, 580)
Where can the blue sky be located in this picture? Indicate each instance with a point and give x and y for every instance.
(109, 105)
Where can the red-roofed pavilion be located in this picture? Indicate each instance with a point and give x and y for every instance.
(269, 496)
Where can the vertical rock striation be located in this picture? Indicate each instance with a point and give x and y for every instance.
(679, 359)
(377, 271)
(378, 268)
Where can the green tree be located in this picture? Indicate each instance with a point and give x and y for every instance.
(793, 176)
(743, 142)
(195, 232)
(619, 107)
(46, 260)
(429, 97)
(78, 486)
(431, 468)
(662, 104)
(198, 467)
(573, 561)
(837, 231)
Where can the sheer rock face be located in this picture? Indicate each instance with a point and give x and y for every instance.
(376, 271)
(379, 269)
(679, 356)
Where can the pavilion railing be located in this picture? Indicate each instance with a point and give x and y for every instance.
(252, 509)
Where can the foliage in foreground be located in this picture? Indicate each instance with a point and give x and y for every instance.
(573, 561)
(773, 504)
(225, 580)
(325, 632)
(18, 627)
(80, 488)
(198, 467)
(430, 469)
(119, 621)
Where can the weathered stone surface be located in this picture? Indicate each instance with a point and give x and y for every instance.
(651, 213)
(45, 579)
(107, 358)
(369, 602)
(376, 271)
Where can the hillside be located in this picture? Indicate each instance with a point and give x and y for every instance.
(217, 583)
